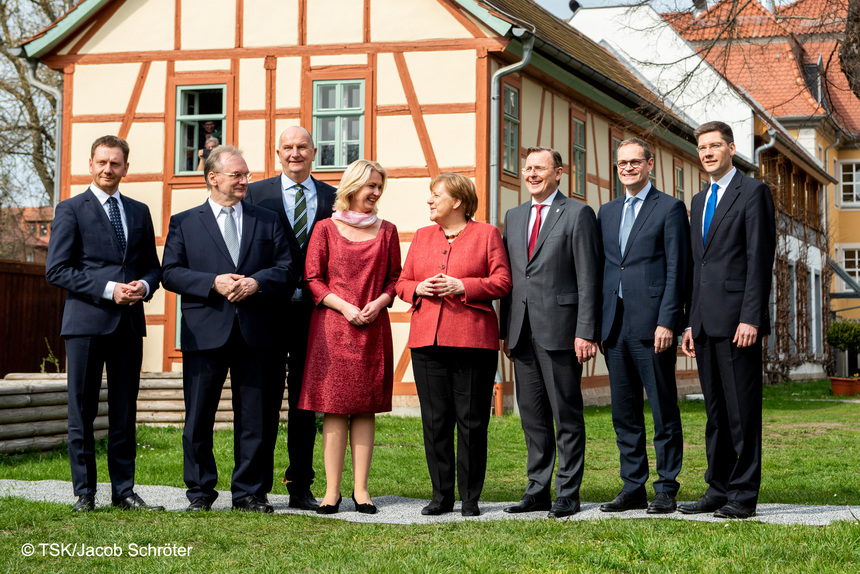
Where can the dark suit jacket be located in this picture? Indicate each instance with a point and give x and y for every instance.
(732, 272)
(268, 193)
(653, 268)
(561, 283)
(195, 253)
(84, 254)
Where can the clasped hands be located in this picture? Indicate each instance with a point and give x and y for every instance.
(439, 286)
(236, 287)
(129, 293)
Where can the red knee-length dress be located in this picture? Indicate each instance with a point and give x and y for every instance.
(349, 369)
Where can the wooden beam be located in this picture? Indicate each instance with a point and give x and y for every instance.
(417, 118)
(134, 100)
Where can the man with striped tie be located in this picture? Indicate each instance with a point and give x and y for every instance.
(301, 201)
(231, 263)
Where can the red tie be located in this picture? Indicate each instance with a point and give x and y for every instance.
(535, 230)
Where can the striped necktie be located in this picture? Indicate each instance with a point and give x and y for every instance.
(300, 227)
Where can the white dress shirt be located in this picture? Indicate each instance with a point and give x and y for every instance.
(221, 218)
(722, 184)
(103, 197)
(543, 213)
(289, 191)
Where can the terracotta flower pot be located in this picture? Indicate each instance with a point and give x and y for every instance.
(844, 386)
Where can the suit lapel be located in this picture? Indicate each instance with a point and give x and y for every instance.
(249, 222)
(516, 235)
(130, 214)
(211, 225)
(647, 207)
(556, 209)
(98, 212)
(733, 191)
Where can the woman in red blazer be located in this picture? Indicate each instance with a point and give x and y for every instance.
(453, 272)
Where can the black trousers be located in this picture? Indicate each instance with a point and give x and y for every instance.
(633, 365)
(120, 354)
(301, 425)
(455, 386)
(254, 374)
(732, 384)
(548, 387)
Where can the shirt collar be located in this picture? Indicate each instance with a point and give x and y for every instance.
(642, 194)
(547, 201)
(216, 208)
(287, 183)
(724, 181)
(102, 195)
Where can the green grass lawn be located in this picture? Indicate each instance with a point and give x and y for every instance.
(811, 456)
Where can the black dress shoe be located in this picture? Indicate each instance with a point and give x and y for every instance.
(470, 508)
(436, 508)
(368, 508)
(303, 499)
(135, 502)
(735, 509)
(702, 506)
(199, 504)
(253, 503)
(86, 503)
(626, 501)
(330, 508)
(663, 503)
(564, 506)
(529, 503)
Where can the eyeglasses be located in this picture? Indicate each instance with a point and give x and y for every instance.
(710, 147)
(633, 163)
(247, 176)
(535, 169)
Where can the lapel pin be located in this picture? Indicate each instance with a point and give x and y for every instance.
(557, 210)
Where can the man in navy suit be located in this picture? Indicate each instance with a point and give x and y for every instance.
(733, 237)
(102, 251)
(300, 201)
(646, 246)
(231, 263)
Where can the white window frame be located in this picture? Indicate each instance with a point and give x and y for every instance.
(339, 113)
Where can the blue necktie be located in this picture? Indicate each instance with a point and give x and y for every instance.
(628, 216)
(116, 221)
(709, 212)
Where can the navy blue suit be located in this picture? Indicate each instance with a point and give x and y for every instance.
(296, 322)
(217, 336)
(731, 284)
(84, 254)
(653, 274)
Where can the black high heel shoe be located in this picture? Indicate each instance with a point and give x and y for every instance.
(330, 508)
(364, 508)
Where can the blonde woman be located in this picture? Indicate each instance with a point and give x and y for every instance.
(352, 265)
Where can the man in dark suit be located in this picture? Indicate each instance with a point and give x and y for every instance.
(549, 323)
(646, 246)
(301, 201)
(102, 251)
(231, 263)
(733, 239)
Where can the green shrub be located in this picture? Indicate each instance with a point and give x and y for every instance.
(844, 335)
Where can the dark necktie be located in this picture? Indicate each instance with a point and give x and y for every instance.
(300, 215)
(116, 221)
(535, 230)
(231, 234)
(709, 212)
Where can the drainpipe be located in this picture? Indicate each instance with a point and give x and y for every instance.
(771, 142)
(827, 188)
(58, 97)
(495, 121)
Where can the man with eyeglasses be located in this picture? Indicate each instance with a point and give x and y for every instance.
(733, 237)
(646, 247)
(230, 262)
(550, 326)
(301, 201)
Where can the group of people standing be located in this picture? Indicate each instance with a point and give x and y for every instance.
(292, 250)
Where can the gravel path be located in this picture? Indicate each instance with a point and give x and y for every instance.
(398, 510)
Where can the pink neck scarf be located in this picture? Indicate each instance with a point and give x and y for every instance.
(355, 219)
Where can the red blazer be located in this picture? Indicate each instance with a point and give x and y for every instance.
(476, 257)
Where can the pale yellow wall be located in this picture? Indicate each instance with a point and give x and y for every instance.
(146, 147)
(389, 88)
(508, 198)
(183, 199)
(77, 189)
(201, 65)
(270, 22)
(138, 26)
(207, 24)
(252, 84)
(561, 125)
(153, 346)
(397, 20)
(339, 60)
(405, 203)
(530, 95)
(150, 193)
(442, 77)
(335, 22)
(82, 138)
(397, 143)
(252, 142)
(288, 77)
(400, 336)
(103, 88)
(453, 138)
(152, 97)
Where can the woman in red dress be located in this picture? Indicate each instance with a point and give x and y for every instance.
(453, 272)
(352, 265)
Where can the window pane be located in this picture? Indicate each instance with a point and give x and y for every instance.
(352, 96)
(351, 152)
(200, 117)
(327, 97)
(326, 154)
(327, 129)
(351, 128)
